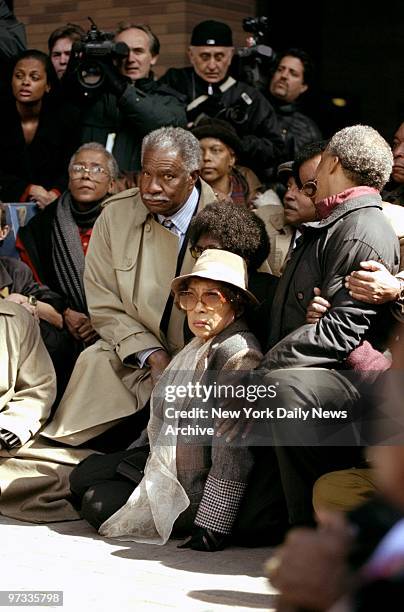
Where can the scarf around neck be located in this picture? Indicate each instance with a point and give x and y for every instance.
(325, 207)
(149, 514)
(67, 250)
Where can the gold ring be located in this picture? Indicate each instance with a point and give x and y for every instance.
(272, 565)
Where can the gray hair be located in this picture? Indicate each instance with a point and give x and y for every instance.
(154, 46)
(176, 139)
(96, 146)
(364, 155)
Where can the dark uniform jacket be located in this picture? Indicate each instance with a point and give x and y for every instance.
(242, 105)
(355, 231)
(140, 110)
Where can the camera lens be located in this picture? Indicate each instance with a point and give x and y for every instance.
(90, 74)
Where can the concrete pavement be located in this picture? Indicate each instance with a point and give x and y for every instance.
(98, 574)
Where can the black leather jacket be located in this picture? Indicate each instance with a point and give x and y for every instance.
(140, 110)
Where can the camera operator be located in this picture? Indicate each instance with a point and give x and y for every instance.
(291, 79)
(253, 63)
(210, 91)
(129, 103)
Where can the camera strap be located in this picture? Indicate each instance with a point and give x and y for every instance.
(229, 82)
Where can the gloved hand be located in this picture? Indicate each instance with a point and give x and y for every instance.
(114, 81)
(206, 540)
(211, 107)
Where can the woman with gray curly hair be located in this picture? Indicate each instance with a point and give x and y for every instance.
(364, 155)
(364, 158)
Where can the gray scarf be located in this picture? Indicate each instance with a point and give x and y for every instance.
(67, 252)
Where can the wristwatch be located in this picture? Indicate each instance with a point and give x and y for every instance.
(400, 297)
(399, 301)
(32, 301)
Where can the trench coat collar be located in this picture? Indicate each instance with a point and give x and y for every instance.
(141, 212)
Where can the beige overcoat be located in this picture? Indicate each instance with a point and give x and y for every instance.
(27, 377)
(130, 263)
(280, 236)
(34, 478)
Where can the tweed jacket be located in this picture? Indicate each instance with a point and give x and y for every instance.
(27, 377)
(215, 475)
(185, 477)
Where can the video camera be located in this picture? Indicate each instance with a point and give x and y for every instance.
(254, 62)
(91, 54)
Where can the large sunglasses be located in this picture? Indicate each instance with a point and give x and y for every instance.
(212, 299)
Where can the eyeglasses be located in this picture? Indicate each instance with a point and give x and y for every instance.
(196, 250)
(96, 172)
(210, 299)
(309, 188)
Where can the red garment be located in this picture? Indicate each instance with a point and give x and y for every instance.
(366, 358)
(25, 196)
(25, 258)
(325, 207)
(239, 189)
(85, 235)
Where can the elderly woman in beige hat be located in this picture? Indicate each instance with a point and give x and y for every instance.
(193, 484)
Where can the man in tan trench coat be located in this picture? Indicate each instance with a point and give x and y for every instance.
(27, 377)
(131, 261)
(34, 475)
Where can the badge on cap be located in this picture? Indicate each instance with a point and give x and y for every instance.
(211, 41)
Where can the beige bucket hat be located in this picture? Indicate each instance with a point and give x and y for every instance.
(219, 265)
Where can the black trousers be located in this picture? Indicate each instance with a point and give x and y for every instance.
(307, 449)
(99, 489)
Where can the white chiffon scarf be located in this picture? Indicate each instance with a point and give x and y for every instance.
(152, 509)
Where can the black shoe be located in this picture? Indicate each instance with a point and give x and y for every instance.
(206, 540)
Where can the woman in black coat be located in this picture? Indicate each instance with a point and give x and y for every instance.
(38, 134)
